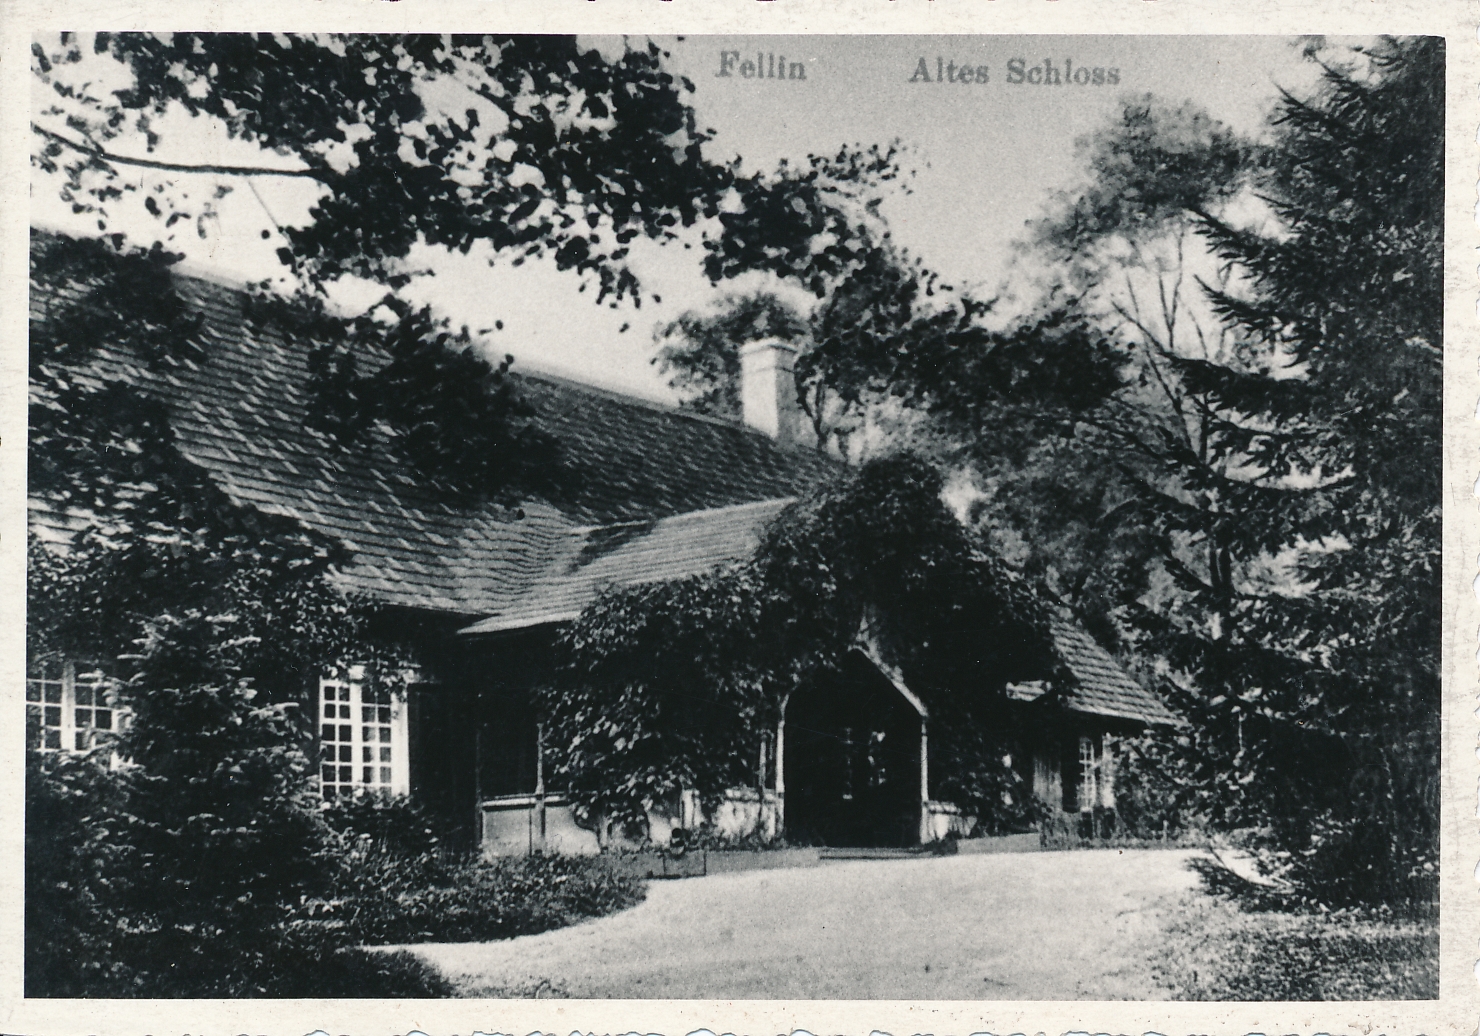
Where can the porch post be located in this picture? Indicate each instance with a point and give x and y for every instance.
(781, 775)
(924, 783)
(478, 768)
(539, 782)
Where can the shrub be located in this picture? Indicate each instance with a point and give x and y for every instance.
(1149, 800)
(396, 825)
(438, 896)
(77, 869)
(398, 879)
(350, 973)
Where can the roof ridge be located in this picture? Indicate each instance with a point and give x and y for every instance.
(190, 270)
(617, 395)
(185, 267)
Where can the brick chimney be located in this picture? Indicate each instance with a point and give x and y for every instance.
(768, 391)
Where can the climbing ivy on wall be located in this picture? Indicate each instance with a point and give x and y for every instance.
(671, 686)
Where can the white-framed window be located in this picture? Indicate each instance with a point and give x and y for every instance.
(362, 737)
(68, 705)
(1089, 772)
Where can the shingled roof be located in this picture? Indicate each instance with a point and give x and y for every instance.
(631, 554)
(593, 559)
(649, 492)
(1101, 687)
(242, 412)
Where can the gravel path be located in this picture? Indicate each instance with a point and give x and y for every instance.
(1030, 926)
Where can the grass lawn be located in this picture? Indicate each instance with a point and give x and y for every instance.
(1212, 948)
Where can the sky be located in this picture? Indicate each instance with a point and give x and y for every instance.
(988, 156)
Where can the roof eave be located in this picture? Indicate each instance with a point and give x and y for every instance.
(484, 627)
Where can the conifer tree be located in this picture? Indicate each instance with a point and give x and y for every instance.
(1318, 692)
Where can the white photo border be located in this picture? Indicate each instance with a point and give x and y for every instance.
(1457, 1011)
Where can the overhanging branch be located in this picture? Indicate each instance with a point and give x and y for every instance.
(322, 176)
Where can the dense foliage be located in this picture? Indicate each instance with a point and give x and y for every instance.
(198, 849)
(412, 137)
(1256, 509)
(887, 330)
(1219, 444)
(280, 912)
(672, 686)
(1346, 302)
(390, 898)
(515, 147)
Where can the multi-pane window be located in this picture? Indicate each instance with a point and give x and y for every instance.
(1089, 772)
(67, 705)
(44, 687)
(93, 711)
(362, 738)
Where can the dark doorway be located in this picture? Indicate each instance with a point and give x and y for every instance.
(442, 748)
(852, 761)
(467, 746)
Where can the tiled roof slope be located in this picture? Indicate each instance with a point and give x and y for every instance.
(242, 412)
(627, 460)
(1101, 687)
(629, 555)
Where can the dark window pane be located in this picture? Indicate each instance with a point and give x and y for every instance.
(367, 714)
(369, 772)
(367, 734)
(328, 791)
(329, 773)
(82, 717)
(53, 738)
(328, 732)
(346, 754)
(33, 691)
(346, 774)
(367, 754)
(344, 712)
(328, 711)
(84, 693)
(385, 755)
(385, 714)
(53, 692)
(385, 775)
(80, 740)
(103, 718)
(385, 735)
(344, 733)
(53, 716)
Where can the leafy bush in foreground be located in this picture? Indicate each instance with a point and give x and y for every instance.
(398, 882)
(358, 973)
(442, 897)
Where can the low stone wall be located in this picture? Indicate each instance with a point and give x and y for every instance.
(945, 820)
(1029, 842)
(512, 826)
(744, 813)
(698, 863)
(515, 825)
